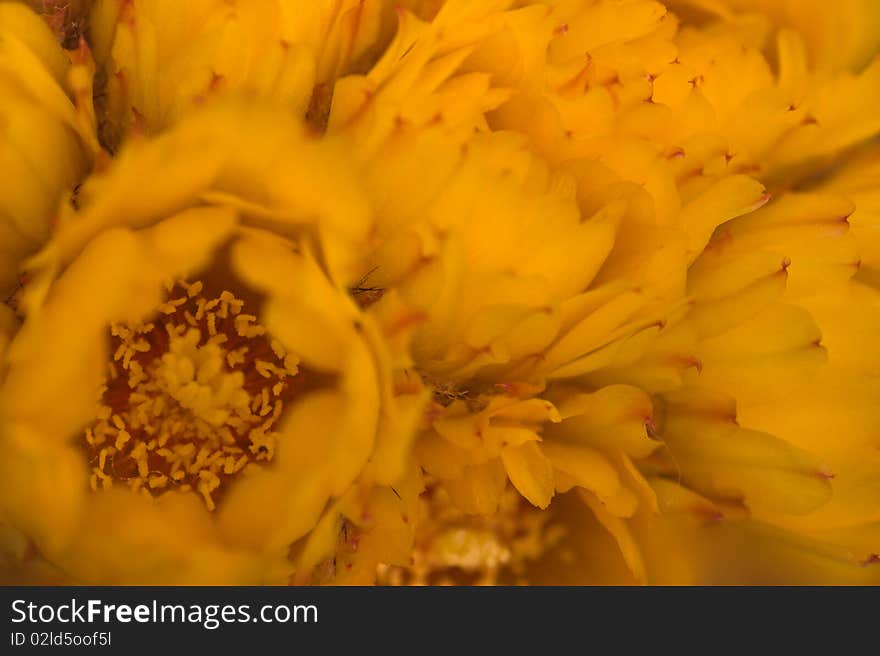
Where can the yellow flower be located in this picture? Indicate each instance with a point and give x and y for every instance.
(190, 389)
(45, 146)
(781, 326)
(596, 324)
(540, 292)
(159, 58)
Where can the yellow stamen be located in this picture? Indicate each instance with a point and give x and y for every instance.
(189, 407)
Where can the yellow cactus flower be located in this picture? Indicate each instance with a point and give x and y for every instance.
(209, 386)
(446, 292)
(629, 368)
(159, 58)
(809, 379)
(490, 328)
(779, 341)
(45, 144)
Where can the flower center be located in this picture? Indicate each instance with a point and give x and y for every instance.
(454, 548)
(191, 399)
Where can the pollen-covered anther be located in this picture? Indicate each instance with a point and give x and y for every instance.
(189, 405)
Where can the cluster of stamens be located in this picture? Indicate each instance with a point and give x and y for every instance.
(191, 398)
(454, 548)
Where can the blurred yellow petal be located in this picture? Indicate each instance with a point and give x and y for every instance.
(43, 145)
(530, 472)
